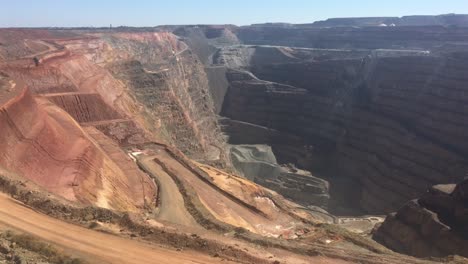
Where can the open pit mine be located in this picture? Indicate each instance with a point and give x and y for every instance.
(340, 141)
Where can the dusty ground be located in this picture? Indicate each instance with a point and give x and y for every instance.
(94, 246)
(97, 247)
(171, 206)
(226, 208)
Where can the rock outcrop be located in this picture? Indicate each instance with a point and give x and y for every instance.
(258, 164)
(432, 226)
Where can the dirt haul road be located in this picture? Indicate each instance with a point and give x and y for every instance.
(224, 207)
(172, 207)
(96, 247)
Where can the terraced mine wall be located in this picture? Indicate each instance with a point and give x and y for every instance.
(45, 145)
(43, 79)
(258, 164)
(173, 88)
(151, 77)
(421, 20)
(132, 87)
(85, 107)
(413, 37)
(392, 124)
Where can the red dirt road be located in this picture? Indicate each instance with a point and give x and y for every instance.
(223, 207)
(96, 247)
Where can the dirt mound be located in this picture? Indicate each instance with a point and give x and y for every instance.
(44, 144)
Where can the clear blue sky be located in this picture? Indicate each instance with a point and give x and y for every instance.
(30, 13)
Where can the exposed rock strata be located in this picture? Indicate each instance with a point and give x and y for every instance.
(434, 225)
(133, 87)
(385, 121)
(412, 37)
(258, 163)
(85, 107)
(173, 89)
(44, 144)
(440, 20)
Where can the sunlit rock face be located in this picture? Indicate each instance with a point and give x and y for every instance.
(377, 112)
(84, 95)
(170, 88)
(45, 145)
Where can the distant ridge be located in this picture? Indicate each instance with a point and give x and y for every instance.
(458, 20)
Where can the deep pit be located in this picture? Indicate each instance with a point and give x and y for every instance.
(381, 121)
(298, 139)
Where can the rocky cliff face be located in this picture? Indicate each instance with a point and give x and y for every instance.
(391, 121)
(373, 115)
(152, 78)
(412, 37)
(169, 82)
(433, 225)
(258, 164)
(45, 145)
(116, 90)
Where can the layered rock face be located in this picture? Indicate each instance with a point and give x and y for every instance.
(441, 20)
(390, 120)
(84, 107)
(258, 164)
(45, 145)
(152, 78)
(434, 225)
(310, 36)
(117, 90)
(173, 90)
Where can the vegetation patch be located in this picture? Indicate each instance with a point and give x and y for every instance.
(46, 250)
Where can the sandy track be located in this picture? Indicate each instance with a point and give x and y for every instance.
(95, 246)
(49, 46)
(172, 207)
(223, 207)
